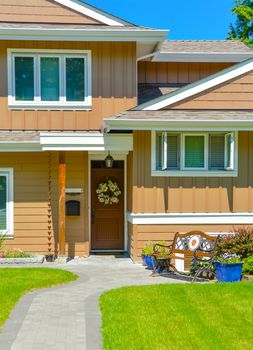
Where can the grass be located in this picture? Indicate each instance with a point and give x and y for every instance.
(179, 317)
(16, 282)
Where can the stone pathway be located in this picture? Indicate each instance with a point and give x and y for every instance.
(67, 317)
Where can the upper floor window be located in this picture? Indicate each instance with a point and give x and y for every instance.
(6, 202)
(49, 79)
(194, 154)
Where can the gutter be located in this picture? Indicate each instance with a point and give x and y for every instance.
(202, 56)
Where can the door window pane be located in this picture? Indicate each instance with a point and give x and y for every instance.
(75, 79)
(24, 78)
(3, 200)
(216, 157)
(49, 76)
(194, 152)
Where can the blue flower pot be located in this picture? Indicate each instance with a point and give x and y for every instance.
(228, 272)
(149, 262)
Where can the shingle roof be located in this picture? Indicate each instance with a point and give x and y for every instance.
(181, 115)
(19, 136)
(204, 46)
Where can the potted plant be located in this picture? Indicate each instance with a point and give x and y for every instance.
(147, 252)
(228, 268)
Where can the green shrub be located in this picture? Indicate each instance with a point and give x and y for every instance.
(239, 243)
(248, 265)
(17, 253)
(2, 239)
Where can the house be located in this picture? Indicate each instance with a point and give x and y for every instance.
(111, 135)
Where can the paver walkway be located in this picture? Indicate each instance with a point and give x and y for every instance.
(67, 317)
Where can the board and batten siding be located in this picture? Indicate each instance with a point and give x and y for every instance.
(40, 11)
(166, 194)
(113, 87)
(177, 72)
(235, 94)
(33, 224)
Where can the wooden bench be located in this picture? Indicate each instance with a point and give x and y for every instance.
(195, 244)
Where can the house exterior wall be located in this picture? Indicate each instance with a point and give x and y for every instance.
(40, 11)
(36, 203)
(113, 87)
(176, 72)
(237, 94)
(191, 194)
(154, 233)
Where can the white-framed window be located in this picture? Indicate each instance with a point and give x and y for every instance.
(55, 79)
(194, 153)
(6, 202)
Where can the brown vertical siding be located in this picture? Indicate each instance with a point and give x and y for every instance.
(113, 87)
(176, 72)
(189, 194)
(40, 11)
(31, 201)
(235, 94)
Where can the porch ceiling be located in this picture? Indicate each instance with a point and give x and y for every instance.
(181, 120)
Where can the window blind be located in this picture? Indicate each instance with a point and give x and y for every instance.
(194, 151)
(173, 151)
(216, 156)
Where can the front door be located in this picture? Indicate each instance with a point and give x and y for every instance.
(107, 209)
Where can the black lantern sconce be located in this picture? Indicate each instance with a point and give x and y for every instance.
(109, 161)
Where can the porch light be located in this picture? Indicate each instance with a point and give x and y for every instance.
(109, 161)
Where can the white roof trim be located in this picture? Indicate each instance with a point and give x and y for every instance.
(197, 87)
(68, 141)
(202, 56)
(178, 125)
(64, 34)
(92, 12)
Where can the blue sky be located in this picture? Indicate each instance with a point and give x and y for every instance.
(186, 19)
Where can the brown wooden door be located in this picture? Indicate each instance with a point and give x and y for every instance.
(107, 221)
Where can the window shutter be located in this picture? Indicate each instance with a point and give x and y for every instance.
(216, 156)
(194, 152)
(172, 151)
(229, 151)
(3, 200)
(164, 150)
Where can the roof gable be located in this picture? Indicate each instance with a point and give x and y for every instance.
(204, 85)
(55, 11)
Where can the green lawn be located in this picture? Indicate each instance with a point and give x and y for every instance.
(179, 317)
(16, 282)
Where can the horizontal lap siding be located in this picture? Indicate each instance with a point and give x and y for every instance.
(173, 72)
(40, 11)
(235, 94)
(153, 194)
(154, 233)
(113, 87)
(34, 229)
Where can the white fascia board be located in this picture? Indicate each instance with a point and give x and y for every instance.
(86, 142)
(190, 219)
(197, 87)
(201, 57)
(61, 34)
(178, 125)
(20, 147)
(92, 12)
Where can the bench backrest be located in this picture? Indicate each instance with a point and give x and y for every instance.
(188, 243)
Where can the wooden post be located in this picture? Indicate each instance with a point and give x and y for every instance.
(62, 202)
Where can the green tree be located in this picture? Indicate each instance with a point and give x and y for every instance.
(242, 29)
